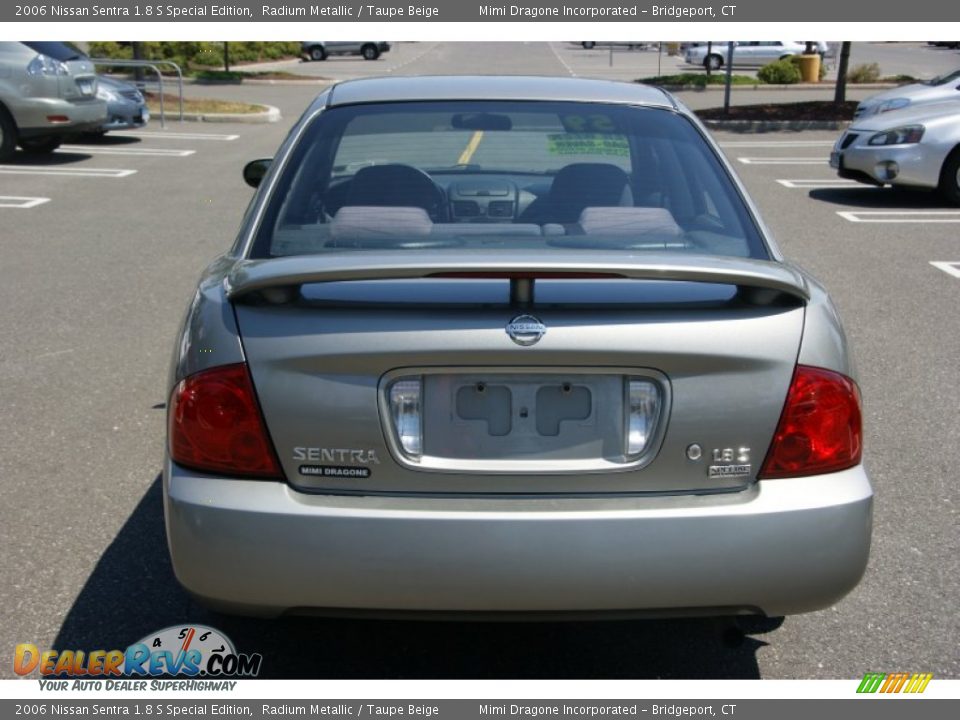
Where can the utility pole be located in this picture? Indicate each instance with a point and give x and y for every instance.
(729, 79)
(840, 94)
(137, 55)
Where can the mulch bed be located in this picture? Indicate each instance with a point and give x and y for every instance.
(813, 110)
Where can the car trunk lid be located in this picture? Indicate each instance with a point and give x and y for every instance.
(326, 339)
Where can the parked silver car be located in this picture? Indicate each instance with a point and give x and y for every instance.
(47, 90)
(916, 147)
(939, 89)
(322, 49)
(126, 107)
(752, 53)
(531, 353)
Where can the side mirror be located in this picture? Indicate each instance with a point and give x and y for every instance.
(254, 171)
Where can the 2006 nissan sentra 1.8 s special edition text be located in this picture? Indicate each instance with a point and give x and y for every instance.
(491, 346)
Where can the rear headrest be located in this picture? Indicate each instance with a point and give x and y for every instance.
(592, 183)
(363, 222)
(631, 221)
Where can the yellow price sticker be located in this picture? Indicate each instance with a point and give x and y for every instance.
(588, 144)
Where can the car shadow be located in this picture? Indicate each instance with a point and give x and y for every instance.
(60, 157)
(106, 139)
(883, 198)
(132, 592)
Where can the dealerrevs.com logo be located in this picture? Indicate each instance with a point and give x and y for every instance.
(182, 650)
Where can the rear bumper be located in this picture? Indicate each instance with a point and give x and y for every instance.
(782, 547)
(32, 115)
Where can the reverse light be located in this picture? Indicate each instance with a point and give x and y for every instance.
(405, 397)
(820, 429)
(905, 135)
(45, 65)
(214, 424)
(643, 408)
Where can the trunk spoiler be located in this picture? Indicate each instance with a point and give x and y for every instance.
(279, 279)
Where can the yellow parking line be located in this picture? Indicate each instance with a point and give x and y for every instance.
(471, 148)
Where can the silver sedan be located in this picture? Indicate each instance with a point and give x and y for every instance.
(939, 89)
(530, 353)
(916, 147)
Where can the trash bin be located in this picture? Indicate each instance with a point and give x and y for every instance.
(810, 68)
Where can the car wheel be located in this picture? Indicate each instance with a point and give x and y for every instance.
(8, 135)
(39, 145)
(950, 177)
(318, 53)
(713, 62)
(369, 52)
(588, 45)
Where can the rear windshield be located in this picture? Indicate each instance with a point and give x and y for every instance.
(516, 175)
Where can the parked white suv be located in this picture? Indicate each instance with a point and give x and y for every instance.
(47, 90)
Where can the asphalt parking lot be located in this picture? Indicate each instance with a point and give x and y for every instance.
(101, 246)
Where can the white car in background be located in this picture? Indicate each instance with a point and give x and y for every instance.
(752, 53)
(941, 88)
(916, 147)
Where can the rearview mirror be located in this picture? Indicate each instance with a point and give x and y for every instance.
(254, 171)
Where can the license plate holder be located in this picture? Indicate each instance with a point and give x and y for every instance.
(502, 417)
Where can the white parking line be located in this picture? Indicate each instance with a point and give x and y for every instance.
(776, 143)
(950, 268)
(784, 161)
(176, 135)
(101, 150)
(900, 216)
(24, 203)
(559, 57)
(69, 172)
(811, 184)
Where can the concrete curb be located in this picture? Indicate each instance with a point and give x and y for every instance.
(260, 81)
(760, 126)
(270, 115)
(797, 86)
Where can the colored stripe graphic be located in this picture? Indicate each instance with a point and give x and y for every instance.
(871, 682)
(894, 682)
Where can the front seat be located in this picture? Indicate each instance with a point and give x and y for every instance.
(579, 186)
(397, 186)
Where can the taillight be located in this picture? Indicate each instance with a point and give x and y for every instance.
(820, 428)
(215, 424)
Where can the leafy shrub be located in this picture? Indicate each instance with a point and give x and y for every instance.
(780, 72)
(190, 55)
(697, 79)
(218, 76)
(864, 74)
(795, 59)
